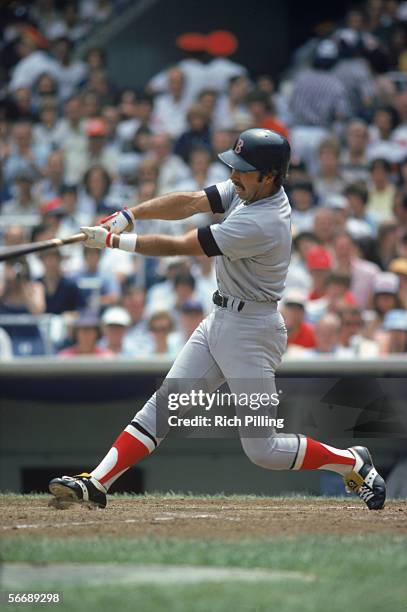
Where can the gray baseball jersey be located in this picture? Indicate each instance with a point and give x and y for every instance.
(252, 242)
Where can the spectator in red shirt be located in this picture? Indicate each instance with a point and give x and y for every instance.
(263, 113)
(319, 264)
(299, 331)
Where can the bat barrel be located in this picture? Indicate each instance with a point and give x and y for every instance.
(36, 247)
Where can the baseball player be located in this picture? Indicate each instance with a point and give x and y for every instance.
(243, 339)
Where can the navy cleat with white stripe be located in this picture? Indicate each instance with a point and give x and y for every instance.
(81, 489)
(364, 479)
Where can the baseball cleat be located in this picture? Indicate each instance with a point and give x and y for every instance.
(81, 489)
(364, 479)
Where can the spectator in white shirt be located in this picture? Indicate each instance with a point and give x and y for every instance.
(72, 72)
(170, 108)
(172, 168)
(34, 60)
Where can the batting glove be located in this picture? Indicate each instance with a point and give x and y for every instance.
(97, 237)
(119, 222)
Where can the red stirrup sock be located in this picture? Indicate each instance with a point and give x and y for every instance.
(131, 446)
(314, 455)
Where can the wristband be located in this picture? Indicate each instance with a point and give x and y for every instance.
(126, 212)
(109, 239)
(127, 242)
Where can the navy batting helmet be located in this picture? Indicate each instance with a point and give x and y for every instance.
(258, 149)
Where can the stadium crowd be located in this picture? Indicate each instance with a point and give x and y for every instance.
(74, 148)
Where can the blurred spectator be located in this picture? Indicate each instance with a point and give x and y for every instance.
(298, 276)
(363, 273)
(327, 337)
(24, 202)
(351, 335)
(395, 326)
(319, 264)
(385, 297)
(61, 293)
(382, 190)
(98, 290)
(190, 315)
(302, 198)
(170, 108)
(34, 60)
(95, 58)
(72, 73)
(202, 173)
(45, 90)
(386, 244)
(381, 146)
(99, 152)
(172, 168)
(71, 138)
(115, 322)
(357, 197)
(196, 135)
(231, 108)
(137, 338)
(329, 180)
(86, 334)
(23, 152)
(93, 198)
(353, 160)
(161, 327)
(20, 294)
(354, 71)
(326, 225)
(53, 180)
(263, 113)
(317, 99)
(300, 332)
(20, 105)
(46, 130)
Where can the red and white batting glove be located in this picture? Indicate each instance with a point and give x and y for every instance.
(119, 221)
(97, 237)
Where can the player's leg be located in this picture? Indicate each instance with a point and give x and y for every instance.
(196, 366)
(251, 370)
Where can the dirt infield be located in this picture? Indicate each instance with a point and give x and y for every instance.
(194, 517)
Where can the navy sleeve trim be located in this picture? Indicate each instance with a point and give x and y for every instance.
(207, 242)
(214, 198)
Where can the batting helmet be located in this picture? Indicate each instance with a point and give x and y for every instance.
(258, 149)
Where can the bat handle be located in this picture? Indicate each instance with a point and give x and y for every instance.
(75, 238)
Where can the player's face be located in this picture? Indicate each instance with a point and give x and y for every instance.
(249, 187)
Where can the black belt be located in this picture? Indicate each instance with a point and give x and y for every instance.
(222, 301)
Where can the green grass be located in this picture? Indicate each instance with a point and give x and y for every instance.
(365, 573)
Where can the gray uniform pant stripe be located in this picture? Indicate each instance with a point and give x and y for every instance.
(244, 351)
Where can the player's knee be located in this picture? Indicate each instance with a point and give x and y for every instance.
(257, 453)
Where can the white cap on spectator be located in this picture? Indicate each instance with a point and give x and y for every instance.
(336, 201)
(295, 296)
(386, 282)
(116, 315)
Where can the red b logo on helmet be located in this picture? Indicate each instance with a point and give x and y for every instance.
(239, 145)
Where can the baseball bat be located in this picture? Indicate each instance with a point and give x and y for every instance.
(35, 247)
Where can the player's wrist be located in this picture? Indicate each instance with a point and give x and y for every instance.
(126, 242)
